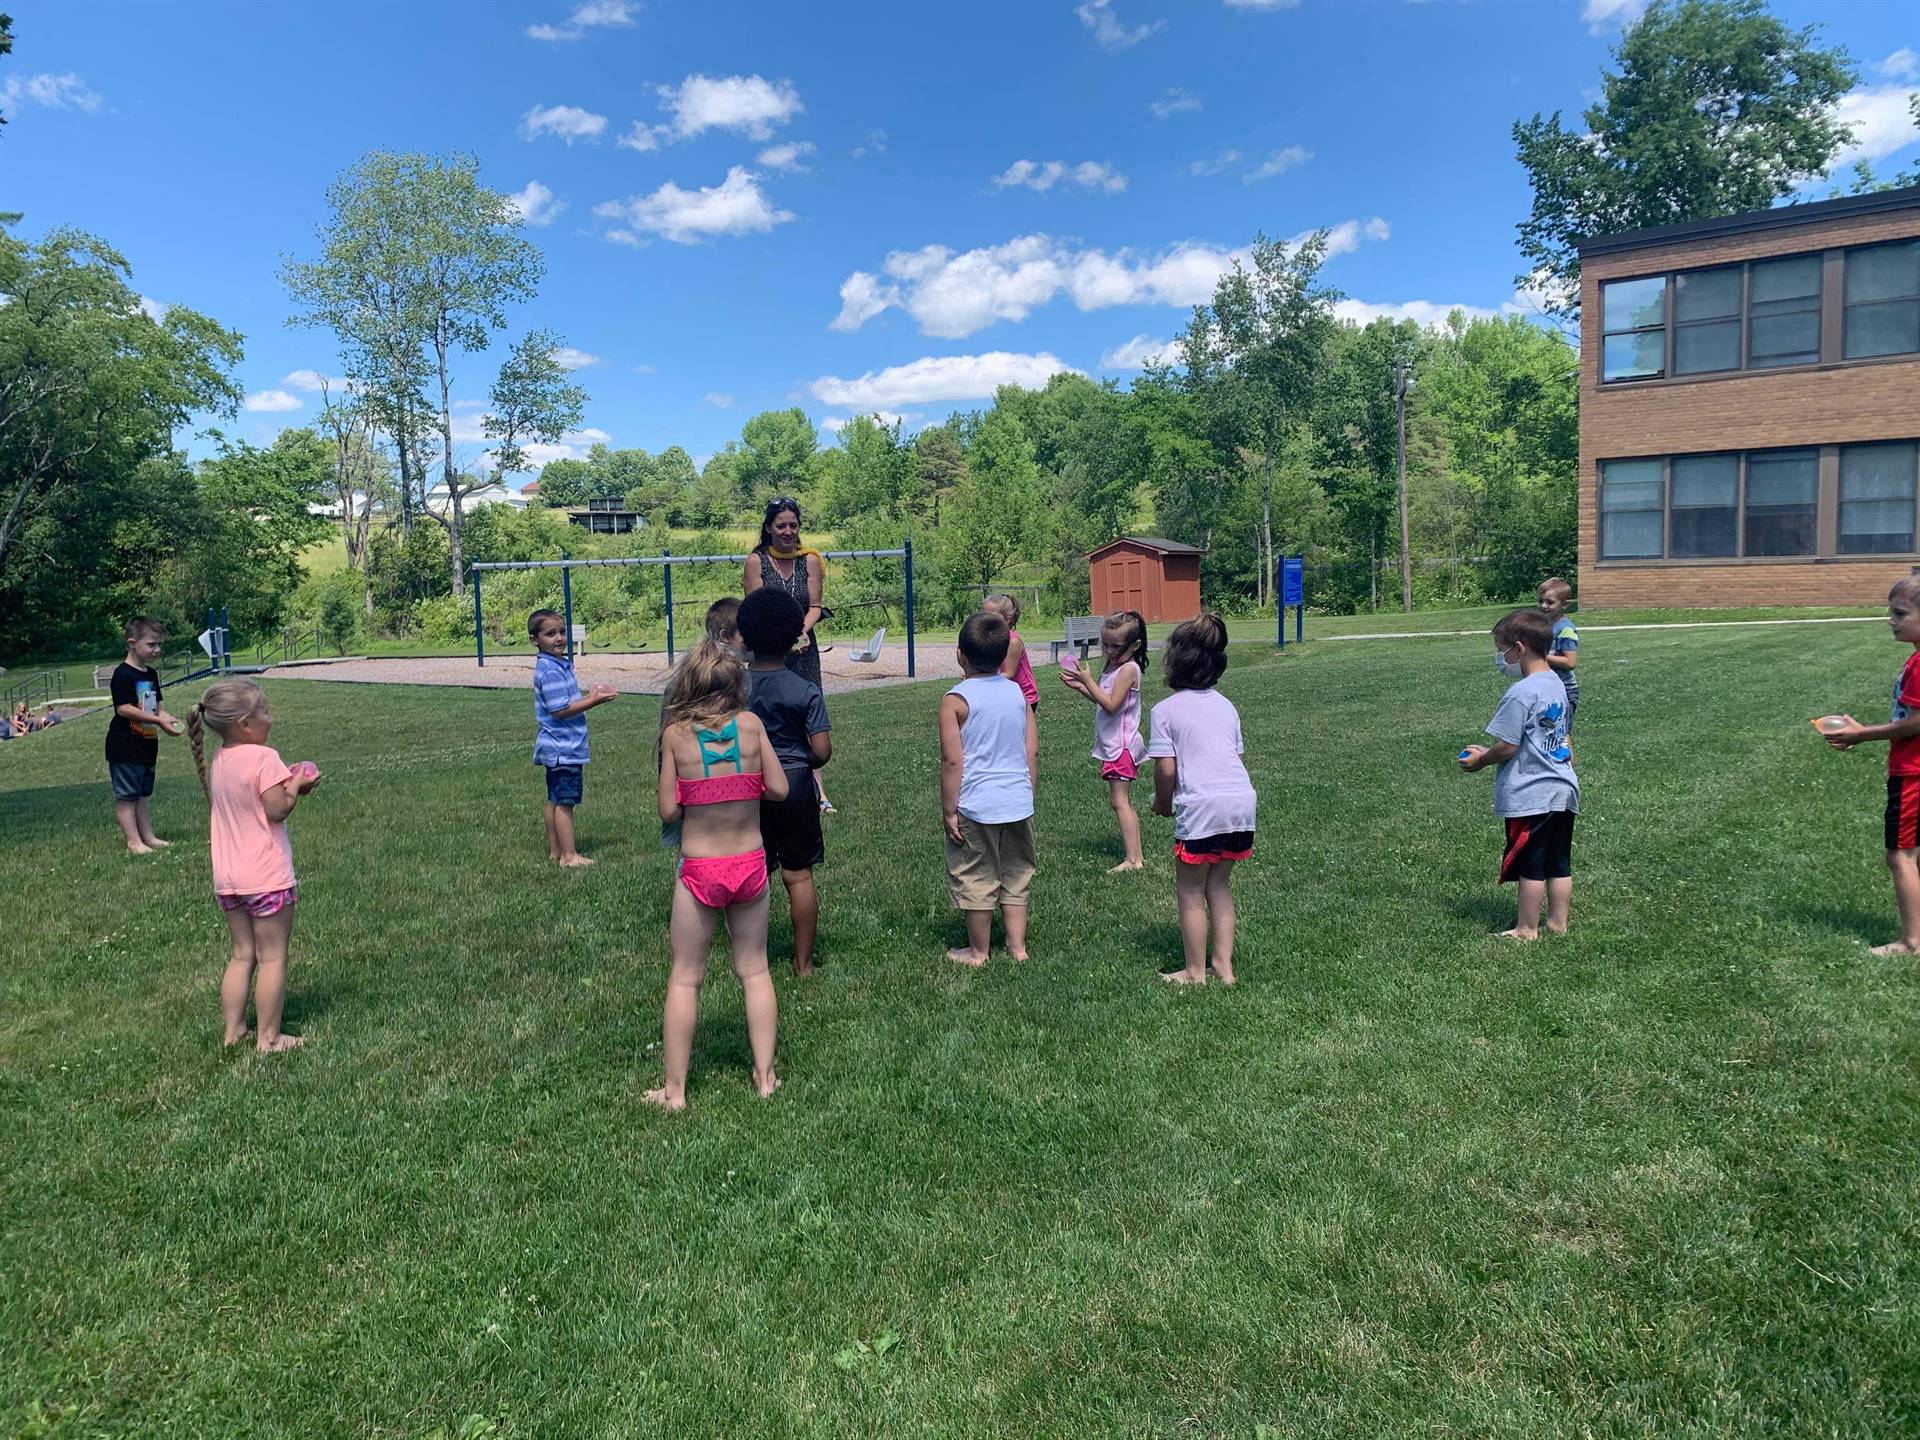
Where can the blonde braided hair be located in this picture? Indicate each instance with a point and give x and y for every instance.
(225, 704)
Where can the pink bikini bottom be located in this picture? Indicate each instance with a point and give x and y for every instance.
(719, 881)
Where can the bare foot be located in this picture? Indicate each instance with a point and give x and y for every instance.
(280, 1043)
(136, 849)
(1126, 865)
(1225, 977)
(1182, 977)
(802, 970)
(233, 1040)
(961, 955)
(665, 1101)
(765, 1085)
(1019, 955)
(574, 862)
(156, 843)
(1895, 947)
(1518, 934)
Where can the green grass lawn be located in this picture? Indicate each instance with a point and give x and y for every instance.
(1657, 1177)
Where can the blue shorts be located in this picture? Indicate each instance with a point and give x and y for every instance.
(130, 781)
(565, 784)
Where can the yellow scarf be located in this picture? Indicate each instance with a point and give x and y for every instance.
(796, 553)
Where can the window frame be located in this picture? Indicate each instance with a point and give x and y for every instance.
(1665, 329)
(1840, 501)
(1848, 307)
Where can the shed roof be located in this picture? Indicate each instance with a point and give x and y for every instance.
(1150, 542)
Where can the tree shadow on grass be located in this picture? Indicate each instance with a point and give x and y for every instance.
(50, 809)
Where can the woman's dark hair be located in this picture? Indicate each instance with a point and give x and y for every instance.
(1196, 654)
(769, 621)
(1131, 626)
(774, 507)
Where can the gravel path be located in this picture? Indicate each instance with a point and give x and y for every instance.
(637, 674)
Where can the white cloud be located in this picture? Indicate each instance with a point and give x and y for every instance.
(587, 435)
(875, 144)
(1174, 102)
(938, 378)
(1881, 121)
(1088, 175)
(55, 92)
(786, 156)
(835, 424)
(955, 294)
(155, 310)
(1422, 312)
(1539, 296)
(719, 399)
(1600, 15)
(1098, 16)
(591, 14)
(536, 204)
(271, 400)
(736, 206)
(568, 122)
(312, 381)
(1134, 354)
(645, 370)
(1278, 163)
(642, 136)
(1902, 64)
(745, 104)
(1214, 166)
(568, 358)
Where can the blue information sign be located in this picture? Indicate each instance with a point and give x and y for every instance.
(1293, 580)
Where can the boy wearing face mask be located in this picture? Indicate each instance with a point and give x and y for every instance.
(1534, 788)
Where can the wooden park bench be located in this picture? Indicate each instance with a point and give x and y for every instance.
(1082, 631)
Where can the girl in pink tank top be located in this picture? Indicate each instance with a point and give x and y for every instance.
(1116, 721)
(1018, 666)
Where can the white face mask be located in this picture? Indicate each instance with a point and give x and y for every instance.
(1509, 668)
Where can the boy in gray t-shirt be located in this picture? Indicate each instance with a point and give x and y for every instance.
(1534, 788)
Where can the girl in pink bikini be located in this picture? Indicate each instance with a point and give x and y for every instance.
(1116, 722)
(713, 771)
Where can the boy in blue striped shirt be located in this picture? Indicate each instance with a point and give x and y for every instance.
(561, 744)
(1554, 596)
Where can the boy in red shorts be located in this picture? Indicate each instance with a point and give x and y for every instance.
(1903, 766)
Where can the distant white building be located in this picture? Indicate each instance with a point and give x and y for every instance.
(492, 493)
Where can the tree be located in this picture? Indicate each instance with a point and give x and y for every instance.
(419, 263)
(1254, 354)
(1357, 432)
(1717, 108)
(871, 471)
(532, 401)
(1865, 180)
(566, 482)
(939, 464)
(260, 516)
(999, 511)
(360, 479)
(776, 455)
(90, 384)
(6, 44)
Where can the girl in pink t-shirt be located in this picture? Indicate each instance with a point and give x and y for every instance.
(251, 792)
(1201, 781)
(1018, 666)
(1116, 721)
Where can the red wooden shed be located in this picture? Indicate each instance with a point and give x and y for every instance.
(1159, 578)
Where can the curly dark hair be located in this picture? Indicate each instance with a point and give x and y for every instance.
(1196, 655)
(769, 621)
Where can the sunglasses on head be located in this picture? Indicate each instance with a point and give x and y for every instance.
(784, 502)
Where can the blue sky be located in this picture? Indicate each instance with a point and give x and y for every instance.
(850, 205)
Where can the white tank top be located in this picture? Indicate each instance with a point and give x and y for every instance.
(994, 785)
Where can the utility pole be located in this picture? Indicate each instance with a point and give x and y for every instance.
(1403, 382)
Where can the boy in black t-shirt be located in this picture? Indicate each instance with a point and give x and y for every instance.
(795, 715)
(133, 735)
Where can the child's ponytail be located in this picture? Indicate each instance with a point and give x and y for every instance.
(196, 728)
(1131, 626)
(225, 704)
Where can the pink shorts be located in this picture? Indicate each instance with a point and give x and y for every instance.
(268, 902)
(1125, 768)
(720, 881)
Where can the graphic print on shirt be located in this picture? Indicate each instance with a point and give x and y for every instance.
(1552, 721)
(149, 703)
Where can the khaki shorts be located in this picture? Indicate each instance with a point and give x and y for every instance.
(993, 867)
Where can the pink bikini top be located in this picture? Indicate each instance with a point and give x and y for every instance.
(719, 789)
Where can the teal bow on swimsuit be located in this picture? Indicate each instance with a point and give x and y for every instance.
(727, 754)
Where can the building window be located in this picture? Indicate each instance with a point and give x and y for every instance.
(1883, 300)
(1876, 499)
(1706, 506)
(1632, 499)
(1783, 312)
(1634, 316)
(1706, 321)
(1783, 502)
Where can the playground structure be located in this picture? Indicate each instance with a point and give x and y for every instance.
(666, 561)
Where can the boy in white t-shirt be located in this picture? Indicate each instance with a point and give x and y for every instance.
(989, 753)
(1200, 780)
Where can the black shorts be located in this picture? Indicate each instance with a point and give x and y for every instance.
(1903, 812)
(1212, 849)
(566, 784)
(1539, 847)
(790, 828)
(130, 781)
